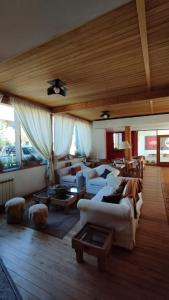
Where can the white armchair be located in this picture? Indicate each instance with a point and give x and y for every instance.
(77, 180)
(119, 217)
(94, 182)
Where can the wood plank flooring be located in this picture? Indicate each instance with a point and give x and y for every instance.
(44, 267)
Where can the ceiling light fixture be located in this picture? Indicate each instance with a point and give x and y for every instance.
(105, 114)
(57, 87)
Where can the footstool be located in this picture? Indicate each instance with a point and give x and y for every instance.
(38, 214)
(14, 209)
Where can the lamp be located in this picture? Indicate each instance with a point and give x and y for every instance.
(125, 146)
(105, 114)
(57, 87)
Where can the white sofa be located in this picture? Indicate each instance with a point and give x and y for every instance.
(119, 217)
(94, 182)
(65, 178)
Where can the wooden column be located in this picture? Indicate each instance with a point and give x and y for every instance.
(128, 139)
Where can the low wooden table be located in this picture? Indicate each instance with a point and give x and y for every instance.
(49, 197)
(94, 240)
(64, 201)
(78, 191)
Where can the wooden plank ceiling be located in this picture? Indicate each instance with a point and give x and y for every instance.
(107, 64)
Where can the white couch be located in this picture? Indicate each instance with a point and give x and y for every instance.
(65, 178)
(119, 217)
(94, 182)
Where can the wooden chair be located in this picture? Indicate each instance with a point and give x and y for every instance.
(135, 169)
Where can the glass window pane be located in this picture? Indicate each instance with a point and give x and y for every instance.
(73, 144)
(30, 157)
(7, 138)
(164, 149)
(76, 148)
(117, 139)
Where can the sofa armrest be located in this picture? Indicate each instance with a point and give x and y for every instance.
(64, 171)
(117, 211)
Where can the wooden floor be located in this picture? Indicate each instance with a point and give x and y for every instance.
(44, 267)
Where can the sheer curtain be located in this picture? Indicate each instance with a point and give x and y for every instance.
(63, 132)
(36, 122)
(1, 97)
(84, 131)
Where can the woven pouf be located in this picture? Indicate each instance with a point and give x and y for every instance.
(14, 209)
(38, 214)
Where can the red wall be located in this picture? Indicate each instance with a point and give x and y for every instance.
(113, 154)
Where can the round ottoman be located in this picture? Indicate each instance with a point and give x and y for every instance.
(38, 214)
(14, 209)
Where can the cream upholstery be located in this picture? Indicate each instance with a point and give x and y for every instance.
(65, 178)
(119, 217)
(93, 180)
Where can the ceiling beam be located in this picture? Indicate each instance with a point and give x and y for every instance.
(141, 11)
(150, 95)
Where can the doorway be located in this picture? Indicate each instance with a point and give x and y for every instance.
(163, 150)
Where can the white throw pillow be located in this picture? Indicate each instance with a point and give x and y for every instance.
(92, 174)
(114, 172)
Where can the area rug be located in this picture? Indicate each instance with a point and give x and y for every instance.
(59, 223)
(8, 289)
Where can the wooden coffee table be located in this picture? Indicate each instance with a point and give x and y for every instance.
(64, 201)
(94, 240)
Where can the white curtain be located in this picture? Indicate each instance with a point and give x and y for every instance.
(84, 131)
(36, 122)
(1, 97)
(63, 132)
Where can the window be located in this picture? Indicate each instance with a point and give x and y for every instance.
(30, 157)
(15, 148)
(8, 157)
(117, 139)
(76, 148)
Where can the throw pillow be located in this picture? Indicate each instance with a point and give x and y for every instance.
(112, 199)
(74, 170)
(116, 196)
(105, 173)
(92, 174)
(123, 183)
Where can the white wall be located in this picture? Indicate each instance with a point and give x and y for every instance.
(141, 143)
(28, 180)
(99, 143)
(136, 123)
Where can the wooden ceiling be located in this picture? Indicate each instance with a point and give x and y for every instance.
(117, 62)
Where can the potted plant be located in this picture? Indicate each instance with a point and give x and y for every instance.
(32, 161)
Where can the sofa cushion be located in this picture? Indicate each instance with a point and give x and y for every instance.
(100, 169)
(98, 181)
(114, 172)
(105, 173)
(69, 178)
(92, 174)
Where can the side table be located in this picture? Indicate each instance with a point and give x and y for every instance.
(94, 240)
(78, 191)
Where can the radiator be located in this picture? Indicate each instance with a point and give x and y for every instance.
(7, 190)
